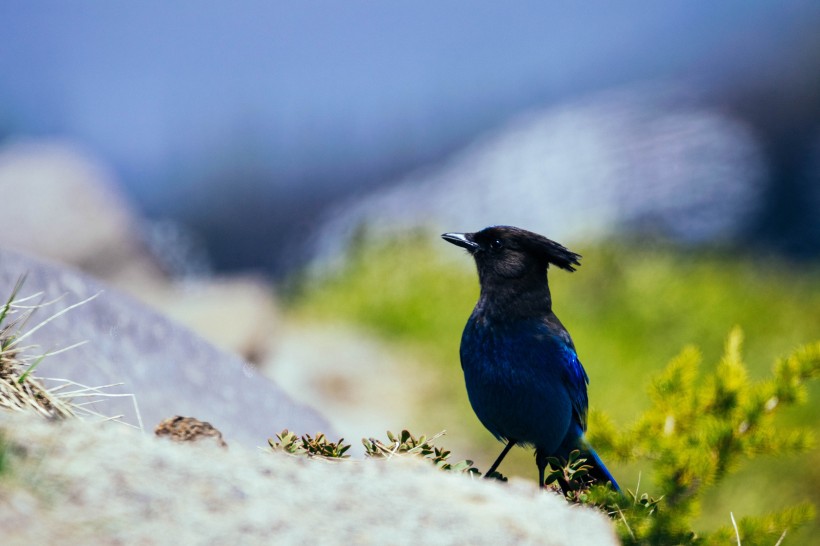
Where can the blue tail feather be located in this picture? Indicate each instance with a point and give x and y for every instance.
(599, 470)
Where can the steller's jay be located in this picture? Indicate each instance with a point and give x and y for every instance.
(523, 376)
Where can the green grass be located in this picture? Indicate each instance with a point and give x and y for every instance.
(4, 453)
(630, 309)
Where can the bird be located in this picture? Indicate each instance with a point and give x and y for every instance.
(524, 380)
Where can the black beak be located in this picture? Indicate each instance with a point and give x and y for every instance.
(464, 240)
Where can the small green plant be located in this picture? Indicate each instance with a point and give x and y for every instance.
(572, 473)
(11, 452)
(4, 449)
(698, 429)
(307, 445)
(405, 444)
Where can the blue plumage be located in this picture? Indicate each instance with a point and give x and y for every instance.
(523, 376)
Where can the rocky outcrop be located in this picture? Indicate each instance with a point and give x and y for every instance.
(105, 484)
(168, 369)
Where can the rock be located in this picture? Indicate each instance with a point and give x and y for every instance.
(64, 205)
(107, 484)
(167, 369)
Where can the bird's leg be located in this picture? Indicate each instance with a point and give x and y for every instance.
(564, 484)
(541, 462)
(507, 448)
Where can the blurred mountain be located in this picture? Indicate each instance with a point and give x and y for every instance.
(248, 120)
(641, 159)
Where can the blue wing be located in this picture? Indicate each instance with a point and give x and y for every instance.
(558, 343)
(573, 374)
(576, 380)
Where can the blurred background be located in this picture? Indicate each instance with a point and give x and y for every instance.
(275, 175)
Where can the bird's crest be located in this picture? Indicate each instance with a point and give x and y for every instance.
(552, 252)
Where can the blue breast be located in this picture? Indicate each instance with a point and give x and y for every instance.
(524, 380)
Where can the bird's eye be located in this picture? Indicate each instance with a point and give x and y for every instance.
(496, 244)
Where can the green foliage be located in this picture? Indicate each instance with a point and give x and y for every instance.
(319, 446)
(11, 454)
(699, 428)
(399, 289)
(763, 530)
(405, 444)
(4, 453)
(7, 336)
(571, 472)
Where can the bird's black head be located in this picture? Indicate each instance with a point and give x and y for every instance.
(504, 254)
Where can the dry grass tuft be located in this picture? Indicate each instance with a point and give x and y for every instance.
(20, 390)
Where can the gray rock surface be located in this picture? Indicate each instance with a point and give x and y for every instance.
(169, 370)
(79, 483)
